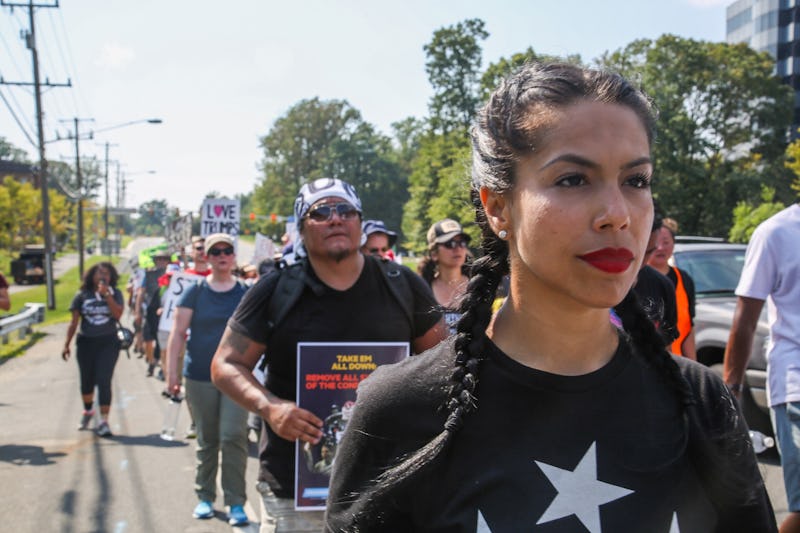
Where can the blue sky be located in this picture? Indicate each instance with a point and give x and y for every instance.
(220, 73)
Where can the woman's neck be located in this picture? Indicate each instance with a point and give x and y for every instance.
(220, 280)
(663, 268)
(448, 286)
(560, 339)
(450, 275)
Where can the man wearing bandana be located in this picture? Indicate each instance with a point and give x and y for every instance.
(345, 298)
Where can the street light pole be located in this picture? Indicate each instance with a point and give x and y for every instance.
(105, 174)
(106, 242)
(79, 178)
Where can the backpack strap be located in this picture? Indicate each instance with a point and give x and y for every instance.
(398, 284)
(288, 289)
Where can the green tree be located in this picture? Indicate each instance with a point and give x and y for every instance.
(501, 68)
(437, 186)
(453, 62)
(747, 216)
(723, 119)
(20, 215)
(364, 158)
(316, 139)
(793, 164)
(151, 217)
(296, 148)
(9, 152)
(439, 172)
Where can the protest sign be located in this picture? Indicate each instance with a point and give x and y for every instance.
(220, 215)
(179, 234)
(178, 284)
(328, 375)
(265, 249)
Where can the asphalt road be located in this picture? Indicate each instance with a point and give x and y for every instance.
(56, 478)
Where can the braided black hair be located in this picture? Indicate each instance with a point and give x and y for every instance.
(508, 127)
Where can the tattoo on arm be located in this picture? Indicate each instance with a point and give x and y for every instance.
(237, 341)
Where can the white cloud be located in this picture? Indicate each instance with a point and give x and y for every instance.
(115, 56)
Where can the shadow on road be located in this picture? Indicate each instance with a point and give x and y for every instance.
(24, 454)
(153, 439)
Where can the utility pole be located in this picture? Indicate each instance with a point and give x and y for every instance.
(81, 195)
(30, 38)
(105, 209)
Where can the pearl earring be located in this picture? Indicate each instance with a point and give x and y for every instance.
(503, 234)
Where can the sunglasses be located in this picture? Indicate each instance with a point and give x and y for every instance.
(453, 244)
(377, 251)
(219, 251)
(199, 248)
(324, 213)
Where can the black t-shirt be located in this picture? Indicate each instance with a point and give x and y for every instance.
(366, 312)
(601, 452)
(656, 293)
(688, 284)
(96, 319)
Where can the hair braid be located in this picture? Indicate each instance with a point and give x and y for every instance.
(476, 309)
(708, 451)
(651, 345)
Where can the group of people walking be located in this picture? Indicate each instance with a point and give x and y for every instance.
(560, 407)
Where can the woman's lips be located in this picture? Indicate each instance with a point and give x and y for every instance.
(612, 260)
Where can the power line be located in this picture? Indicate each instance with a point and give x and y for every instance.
(16, 119)
(70, 62)
(10, 53)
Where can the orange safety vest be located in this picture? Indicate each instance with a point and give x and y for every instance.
(684, 324)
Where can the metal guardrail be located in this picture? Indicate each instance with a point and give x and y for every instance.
(31, 314)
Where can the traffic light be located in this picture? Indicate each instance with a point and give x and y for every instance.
(273, 217)
(252, 216)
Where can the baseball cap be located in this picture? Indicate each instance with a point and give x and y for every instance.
(161, 254)
(216, 238)
(444, 230)
(377, 226)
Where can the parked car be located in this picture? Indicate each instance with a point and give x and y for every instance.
(29, 266)
(715, 268)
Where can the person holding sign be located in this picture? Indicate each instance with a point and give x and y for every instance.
(199, 259)
(221, 425)
(546, 416)
(340, 295)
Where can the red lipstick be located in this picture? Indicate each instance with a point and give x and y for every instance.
(611, 260)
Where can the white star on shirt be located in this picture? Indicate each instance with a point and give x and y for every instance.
(673, 527)
(482, 526)
(580, 492)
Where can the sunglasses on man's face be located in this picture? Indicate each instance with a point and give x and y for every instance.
(324, 212)
(218, 251)
(377, 251)
(452, 244)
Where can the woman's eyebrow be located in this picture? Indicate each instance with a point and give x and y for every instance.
(582, 161)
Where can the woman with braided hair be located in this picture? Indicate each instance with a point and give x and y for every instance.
(545, 416)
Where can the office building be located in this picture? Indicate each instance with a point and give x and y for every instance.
(772, 26)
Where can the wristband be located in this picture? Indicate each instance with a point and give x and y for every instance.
(735, 387)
